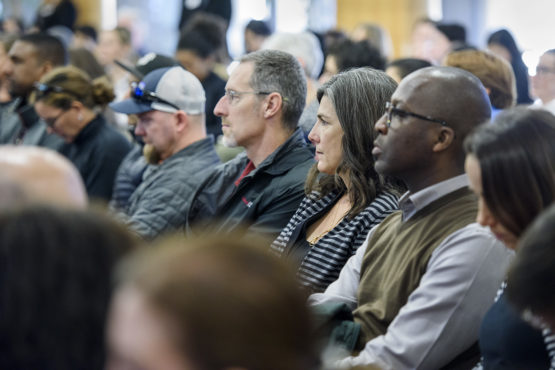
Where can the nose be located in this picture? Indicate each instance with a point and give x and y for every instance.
(484, 216)
(7, 67)
(139, 129)
(381, 126)
(313, 135)
(220, 109)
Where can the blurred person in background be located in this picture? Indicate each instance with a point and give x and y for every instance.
(85, 37)
(543, 83)
(400, 68)
(31, 57)
(56, 273)
(52, 13)
(216, 303)
(503, 44)
(256, 32)
(494, 72)
(6, 42)
(68, 101)
(375, 35)
(197, 48)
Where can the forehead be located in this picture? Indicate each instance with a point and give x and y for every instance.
(548, 60)
(241, 75)
(410, 91)
(22, 50)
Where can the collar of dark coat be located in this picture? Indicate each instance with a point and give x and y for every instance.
(291, 153)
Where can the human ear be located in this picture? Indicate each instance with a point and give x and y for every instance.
(273, 105)
(444, 139)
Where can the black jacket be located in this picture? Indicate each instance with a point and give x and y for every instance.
(263, 201)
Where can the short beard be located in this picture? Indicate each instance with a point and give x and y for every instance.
(229, 141)
(151, 155)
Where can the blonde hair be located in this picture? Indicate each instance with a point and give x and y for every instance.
(494, 72)
(71, 83)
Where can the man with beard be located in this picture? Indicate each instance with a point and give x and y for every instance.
(169, 104)
(31, 57)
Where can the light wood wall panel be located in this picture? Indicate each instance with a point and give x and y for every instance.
(89, 12)
(397, 16)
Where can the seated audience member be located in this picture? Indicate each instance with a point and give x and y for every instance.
(67, 101)
(196, 51)
(502, 44)
(494, 72)
(543, 82)
(261, 188)
(345, 195)
(306, 48)
(510, 166)
(169, 104)
(400, 68)
(132, 167)
(256, 32)
(209, 304)
(56, 273)
(84, 37)
(6, 42)
(532, 274)
(30, 175)
(422, 281)
(85, 60)
(346, 54)
(31, 57)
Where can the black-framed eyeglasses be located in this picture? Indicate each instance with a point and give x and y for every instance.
(139, 92)
(41, 90)
(50, 122)
(233, 94)
(391, 110)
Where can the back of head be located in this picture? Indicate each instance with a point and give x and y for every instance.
(351, 54)
(203, 34)
(85, 60)
(63, 85)
(230, 302)
(304, 46)
(55, 271)
(406, 66)
(48, 48)
(494, 72)
(532, 273)
(358, 97)
(453, 95)
(278, 71)
(519, 141)
(40, 176)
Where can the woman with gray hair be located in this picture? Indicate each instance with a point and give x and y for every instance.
(345, 196)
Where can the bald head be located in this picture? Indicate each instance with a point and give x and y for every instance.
(451, 94)
(31, 175)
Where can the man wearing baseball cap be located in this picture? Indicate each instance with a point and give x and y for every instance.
(169, 104)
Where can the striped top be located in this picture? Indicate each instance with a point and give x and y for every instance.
(322, 262)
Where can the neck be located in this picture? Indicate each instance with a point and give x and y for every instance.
(271, 140)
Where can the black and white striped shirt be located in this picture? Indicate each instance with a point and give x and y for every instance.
(324, 260)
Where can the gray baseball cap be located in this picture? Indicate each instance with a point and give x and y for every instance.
(167, 90)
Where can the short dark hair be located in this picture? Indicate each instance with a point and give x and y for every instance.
(279, 71)
(258, 27)
(516, 154)
(88, 31)
(239, 304)
(406, 66)
(358, 97)
(55, 269)
(531, 277)
(350, 54)
(48, 48)
(204, 34)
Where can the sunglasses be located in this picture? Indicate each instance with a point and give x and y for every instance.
(41, 90)
(139, 92)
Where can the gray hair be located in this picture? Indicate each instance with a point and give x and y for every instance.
(280, 72)
(304, 46)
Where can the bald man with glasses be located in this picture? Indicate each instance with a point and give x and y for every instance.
(422, 281)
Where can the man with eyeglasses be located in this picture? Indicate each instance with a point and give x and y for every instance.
(543, 83)
(261, 188)
(30, 58)
(169, 104)
(422, 281)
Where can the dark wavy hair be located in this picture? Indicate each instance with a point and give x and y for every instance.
(55, 284)
(358, 96)
(517, 161)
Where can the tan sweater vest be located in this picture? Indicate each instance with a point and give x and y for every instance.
(397, 256)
